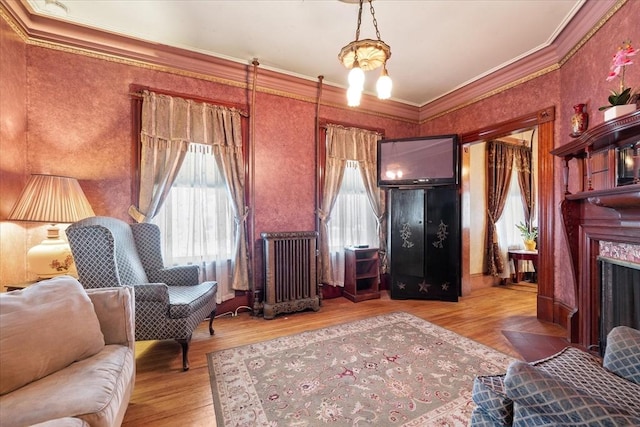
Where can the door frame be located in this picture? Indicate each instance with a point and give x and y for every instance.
(544, 120)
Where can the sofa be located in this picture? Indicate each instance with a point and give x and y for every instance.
(66, 354)
(570, 388)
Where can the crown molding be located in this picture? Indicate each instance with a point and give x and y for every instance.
(52, 33)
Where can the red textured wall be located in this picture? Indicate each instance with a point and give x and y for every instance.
(13, 155)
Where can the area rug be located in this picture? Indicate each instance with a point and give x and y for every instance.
(389, 370)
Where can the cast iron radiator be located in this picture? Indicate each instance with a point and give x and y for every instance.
(290, 272)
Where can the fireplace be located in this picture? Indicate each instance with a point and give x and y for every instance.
(619, 296)
(601, 208)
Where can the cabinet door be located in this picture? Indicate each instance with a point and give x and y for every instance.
(406, 231)
(442, 244)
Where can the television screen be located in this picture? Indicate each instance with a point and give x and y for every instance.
(421, 161)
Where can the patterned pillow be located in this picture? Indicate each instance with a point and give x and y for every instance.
(45, 328)
(540, 398)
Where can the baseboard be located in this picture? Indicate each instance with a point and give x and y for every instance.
(480, 280)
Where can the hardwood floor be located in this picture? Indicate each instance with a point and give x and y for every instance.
(166, 396)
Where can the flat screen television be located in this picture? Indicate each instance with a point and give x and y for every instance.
(420, 161)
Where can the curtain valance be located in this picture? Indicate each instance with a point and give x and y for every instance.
(170, 118)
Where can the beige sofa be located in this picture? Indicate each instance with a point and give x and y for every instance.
(66, 354)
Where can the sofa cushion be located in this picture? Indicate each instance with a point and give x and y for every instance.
(622, 355)
(540, 398)
(44, 328)
(96, 390)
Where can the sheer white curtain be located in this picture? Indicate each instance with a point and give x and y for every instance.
(508, 235)
(196, 220)
(352, 220)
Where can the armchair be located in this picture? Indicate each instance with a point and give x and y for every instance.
(169, 301)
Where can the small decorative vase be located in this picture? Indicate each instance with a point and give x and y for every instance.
(618, 110)
(530, 245)
(579, 120)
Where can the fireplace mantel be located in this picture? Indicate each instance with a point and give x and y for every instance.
(609, 213)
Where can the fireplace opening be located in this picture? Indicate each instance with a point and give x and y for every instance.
(619, 296)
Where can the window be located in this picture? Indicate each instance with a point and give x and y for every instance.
(196, 220)
(352, 219)
(508, 236)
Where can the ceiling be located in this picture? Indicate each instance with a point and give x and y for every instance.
(437, 46)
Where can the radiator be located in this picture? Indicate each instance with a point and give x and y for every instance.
(290, 272)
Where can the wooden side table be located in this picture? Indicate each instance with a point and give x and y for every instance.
(523, 255)
(361, 274)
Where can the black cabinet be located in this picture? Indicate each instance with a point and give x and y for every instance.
(425, 243)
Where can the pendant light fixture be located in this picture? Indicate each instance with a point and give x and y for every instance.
(364, 55)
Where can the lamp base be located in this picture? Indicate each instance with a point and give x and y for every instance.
(52, 257)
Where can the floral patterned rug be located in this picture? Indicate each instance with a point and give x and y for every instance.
(388, 370)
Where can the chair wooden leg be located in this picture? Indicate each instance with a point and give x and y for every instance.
(185, 353)
(211, 316)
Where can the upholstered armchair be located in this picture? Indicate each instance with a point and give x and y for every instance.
(169, 302)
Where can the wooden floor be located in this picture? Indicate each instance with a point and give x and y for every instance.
(164, 395)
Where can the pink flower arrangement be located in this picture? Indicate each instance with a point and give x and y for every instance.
(621, 60)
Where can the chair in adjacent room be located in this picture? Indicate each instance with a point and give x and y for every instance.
(169, 301)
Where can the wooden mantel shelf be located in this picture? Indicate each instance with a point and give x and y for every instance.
(619, 198)
(617, 132)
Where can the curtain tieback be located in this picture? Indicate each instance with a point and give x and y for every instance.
(323, 215)
(242, 218)
(138, 216)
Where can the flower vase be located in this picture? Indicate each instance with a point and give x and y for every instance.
(579, 120)
(530, 245)
(618, 110)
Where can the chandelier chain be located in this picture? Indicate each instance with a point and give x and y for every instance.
(375, 22)
(359, 21)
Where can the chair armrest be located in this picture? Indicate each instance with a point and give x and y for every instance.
(179, 275)
(116, 314)
(152, 292)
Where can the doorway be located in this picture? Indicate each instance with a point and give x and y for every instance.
(543, 121)
(513, 212)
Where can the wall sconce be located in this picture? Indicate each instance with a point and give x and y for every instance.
(55, 200)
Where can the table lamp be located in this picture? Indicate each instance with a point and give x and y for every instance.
(52, 199)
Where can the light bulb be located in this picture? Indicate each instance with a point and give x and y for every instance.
(353, 96)
(356, 76)
(384, 84)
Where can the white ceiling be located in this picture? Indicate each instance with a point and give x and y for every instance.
(437, 46)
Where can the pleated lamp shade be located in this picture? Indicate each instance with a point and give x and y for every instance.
(54, 200)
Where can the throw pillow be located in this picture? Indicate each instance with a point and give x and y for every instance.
(44, 328)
